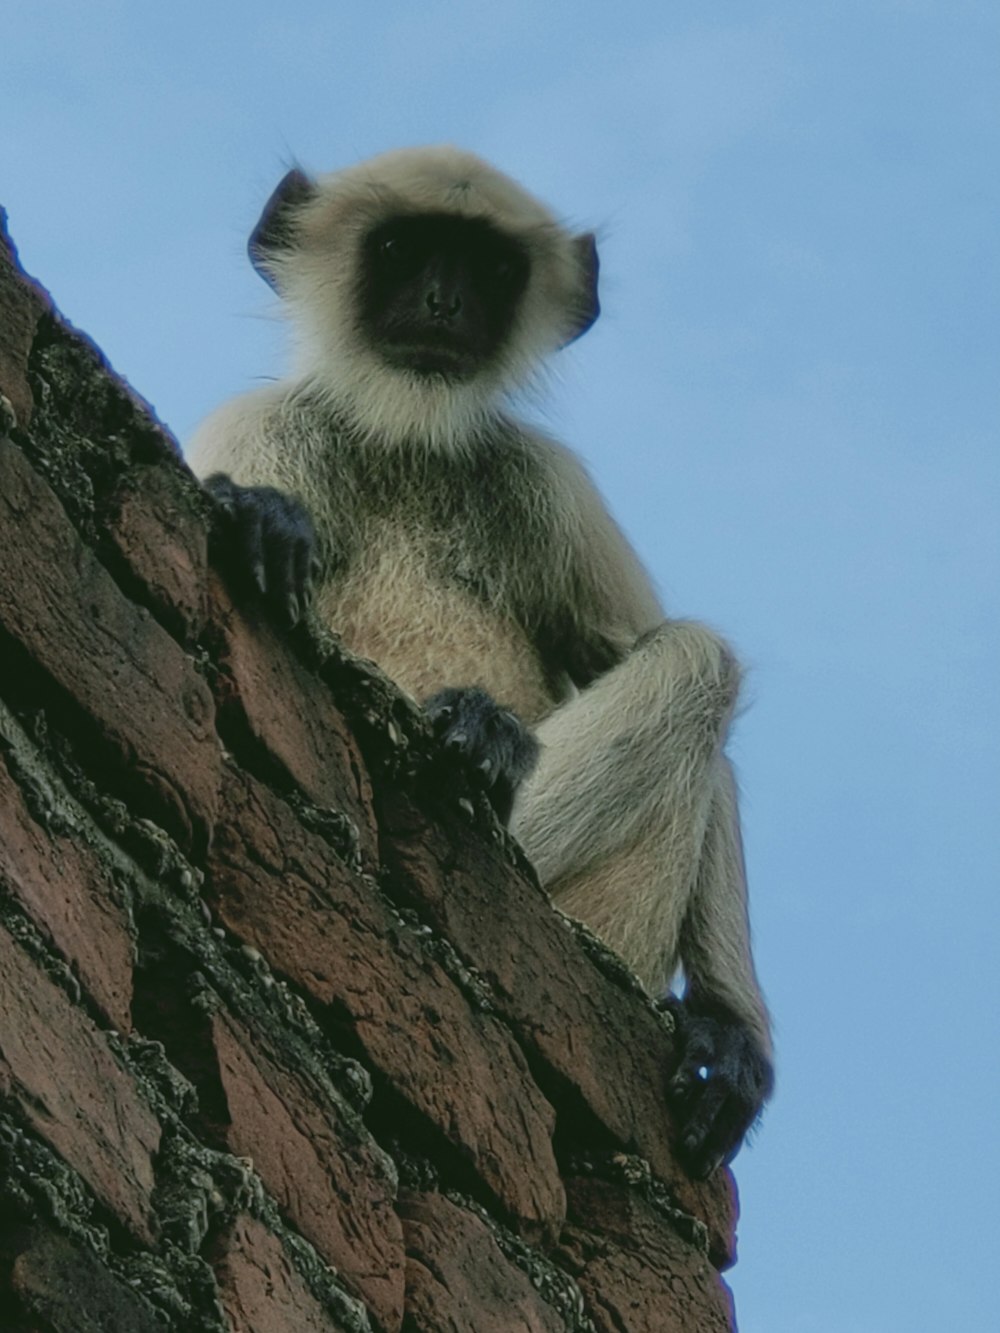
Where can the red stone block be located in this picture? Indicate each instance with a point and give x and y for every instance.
(457, 1277)
(67, 1288)
(155, 526)
(290, 713)
(62, 884)
(259, 1289)
(22, 304)
(153, 713)
(332, 1185)
(637, 1274)
(280, 888)
(57, 1071)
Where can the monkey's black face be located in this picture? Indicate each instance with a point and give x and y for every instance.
(439, 294)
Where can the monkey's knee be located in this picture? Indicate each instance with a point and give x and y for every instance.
(691, 661)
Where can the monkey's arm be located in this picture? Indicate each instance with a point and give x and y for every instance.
(596, 600)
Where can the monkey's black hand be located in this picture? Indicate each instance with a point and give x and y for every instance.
(268, 538)
(719, 1087)
(492, 741)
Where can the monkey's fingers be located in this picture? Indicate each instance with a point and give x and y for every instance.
(248, 532)
(268, 538)
(492, 739)
(699, 1142)
(698, 1042)
(513, 747)
(730, 1124)
(284, 591)
(288, 552)
(440, 709)
(224, 492)
(496, 749)
(717, 1090)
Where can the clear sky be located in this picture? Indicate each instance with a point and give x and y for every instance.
(792, 404)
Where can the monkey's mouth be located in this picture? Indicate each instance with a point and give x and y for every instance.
(431, 356)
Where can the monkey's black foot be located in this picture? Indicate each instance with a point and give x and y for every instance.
(718, 1089)
(493, 743)
(267, 538)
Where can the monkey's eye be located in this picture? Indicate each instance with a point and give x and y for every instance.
(392, 249)
(507, 270)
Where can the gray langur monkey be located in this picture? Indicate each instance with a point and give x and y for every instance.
(472, 558)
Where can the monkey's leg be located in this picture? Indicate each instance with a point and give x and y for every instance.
(614, 814)
(631, 821)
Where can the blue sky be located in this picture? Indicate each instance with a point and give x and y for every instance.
(792, 404)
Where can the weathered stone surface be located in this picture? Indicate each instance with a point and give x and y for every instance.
(259, 1289)
(68, 1289)
(716, 1202)
(134, 693)
(603, 1045)
(457, 1278)
(332, 1186)
(280, 888)
(154, 524)
(636, 1272)
(22, 304)
(290, 714)
(57, 1070)
(67, 891)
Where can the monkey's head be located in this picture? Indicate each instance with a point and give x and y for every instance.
(423, 286)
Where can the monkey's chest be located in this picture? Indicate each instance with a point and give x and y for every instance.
(403, 606)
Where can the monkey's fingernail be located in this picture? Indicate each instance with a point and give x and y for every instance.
(259, 575)
(706, 1166)
(294, 609)
(486, 767)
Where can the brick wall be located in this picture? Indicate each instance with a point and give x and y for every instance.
(290, 1038)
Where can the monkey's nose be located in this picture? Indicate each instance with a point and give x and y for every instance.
(443, 305)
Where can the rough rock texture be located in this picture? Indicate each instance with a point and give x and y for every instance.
(290, 1037)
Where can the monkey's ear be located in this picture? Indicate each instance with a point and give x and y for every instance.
(586, 307)
(274, 233)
